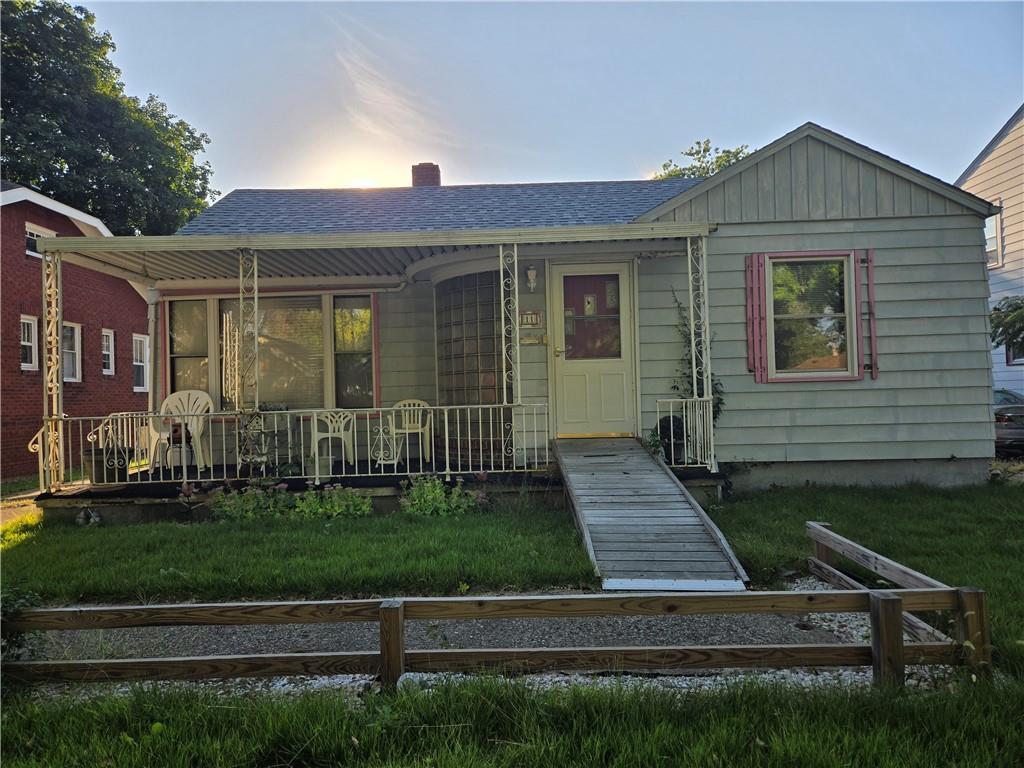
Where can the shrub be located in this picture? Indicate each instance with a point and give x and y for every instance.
(428, 496)
(333, 501)
(252, 503)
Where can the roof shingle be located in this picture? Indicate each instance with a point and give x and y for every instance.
(401, 209)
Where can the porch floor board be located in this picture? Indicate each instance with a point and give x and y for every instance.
(641, 527)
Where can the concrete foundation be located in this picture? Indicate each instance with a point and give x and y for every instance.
(940, 473)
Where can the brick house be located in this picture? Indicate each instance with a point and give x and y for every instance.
(105, 327)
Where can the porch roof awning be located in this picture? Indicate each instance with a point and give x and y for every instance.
(370, 255)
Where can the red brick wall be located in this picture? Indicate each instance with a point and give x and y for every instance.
(93, 299)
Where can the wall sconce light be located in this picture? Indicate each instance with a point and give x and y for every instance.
(531, 278)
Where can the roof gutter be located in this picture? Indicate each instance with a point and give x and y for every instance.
(422, 238)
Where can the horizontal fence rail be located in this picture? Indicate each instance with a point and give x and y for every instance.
(315, 444)
(685, 432)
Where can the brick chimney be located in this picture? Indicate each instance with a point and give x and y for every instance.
(426, 175)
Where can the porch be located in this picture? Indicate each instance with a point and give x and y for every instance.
(450, 354)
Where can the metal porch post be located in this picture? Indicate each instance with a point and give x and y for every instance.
(251, 425)
(508, 274)
(53, 372)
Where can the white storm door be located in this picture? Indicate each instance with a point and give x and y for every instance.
(592, 354)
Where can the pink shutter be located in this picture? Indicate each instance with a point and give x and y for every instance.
(757, 355)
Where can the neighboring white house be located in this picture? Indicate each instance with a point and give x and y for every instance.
(997, 175)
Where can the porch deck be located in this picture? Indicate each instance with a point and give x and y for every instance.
(641, 527)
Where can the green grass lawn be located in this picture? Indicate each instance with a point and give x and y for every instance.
(963, 537)
(490, 723)
(518, 547)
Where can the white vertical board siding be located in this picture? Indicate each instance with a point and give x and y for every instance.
(1000, 176)
(932, 399)
(406, 345)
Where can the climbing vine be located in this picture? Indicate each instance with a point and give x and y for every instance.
(683, 384)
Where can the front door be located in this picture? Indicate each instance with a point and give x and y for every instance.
(592, 340)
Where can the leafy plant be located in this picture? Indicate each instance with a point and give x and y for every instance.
(428, 496)
(1008, 322)
(252, 503)
(683, 384)
(334, 501)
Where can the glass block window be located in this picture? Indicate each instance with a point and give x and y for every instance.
(469, 339)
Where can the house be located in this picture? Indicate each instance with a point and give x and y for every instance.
(103, 332)
(835, 298)
(997, 175)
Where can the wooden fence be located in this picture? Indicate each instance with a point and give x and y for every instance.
(890, 614)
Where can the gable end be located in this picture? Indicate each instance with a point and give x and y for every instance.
(814, 174)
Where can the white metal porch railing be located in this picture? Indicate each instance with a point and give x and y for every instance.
(685, 430)
(316, 444)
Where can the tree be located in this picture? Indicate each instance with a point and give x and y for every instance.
(69, 129)
(704, 161)
(1007, 322)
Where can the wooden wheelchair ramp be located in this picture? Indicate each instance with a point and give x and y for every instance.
(642, 528)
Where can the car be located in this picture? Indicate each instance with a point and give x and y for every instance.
(1009, 415)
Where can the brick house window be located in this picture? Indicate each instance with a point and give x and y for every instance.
(32, 233)
(107, 351)
(71, 351)
(140, 362)
(29, 343)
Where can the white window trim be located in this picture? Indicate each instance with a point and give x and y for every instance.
(852, 316)
(41, 232)
(144, 338)
(997, 218)
(78, 351)
(107, 333)
(34, 321)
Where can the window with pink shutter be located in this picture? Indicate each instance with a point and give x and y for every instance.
(806, 316)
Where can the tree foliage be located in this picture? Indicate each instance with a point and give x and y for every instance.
(1007, 322)
(70, 130)
(704, 161)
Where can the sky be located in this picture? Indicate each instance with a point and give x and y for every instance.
(345, 94)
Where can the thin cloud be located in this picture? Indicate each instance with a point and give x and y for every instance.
(377, 103)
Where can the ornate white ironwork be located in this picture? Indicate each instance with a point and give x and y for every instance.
(52, 440)
(508, 279)
(248, 324)
(700, 330)
(252, 443)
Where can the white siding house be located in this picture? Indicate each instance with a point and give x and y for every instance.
(997, 175)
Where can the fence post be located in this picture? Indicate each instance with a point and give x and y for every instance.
(886, 638)
(392, 642)
(973, 630)
(822, 551)
(447, 448)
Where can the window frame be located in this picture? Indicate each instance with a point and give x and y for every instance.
(77, 350)
(997, 224)
(1011, 359)
(108, 333)
(331, 347)
(34, 322)
(854, 370)
(38, 231)
(144, 338)
(172, 356)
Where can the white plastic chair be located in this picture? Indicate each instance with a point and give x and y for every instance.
(328, 425)
(411, 417)
(188, 408)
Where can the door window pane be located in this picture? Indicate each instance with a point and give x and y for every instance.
(590, 308)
